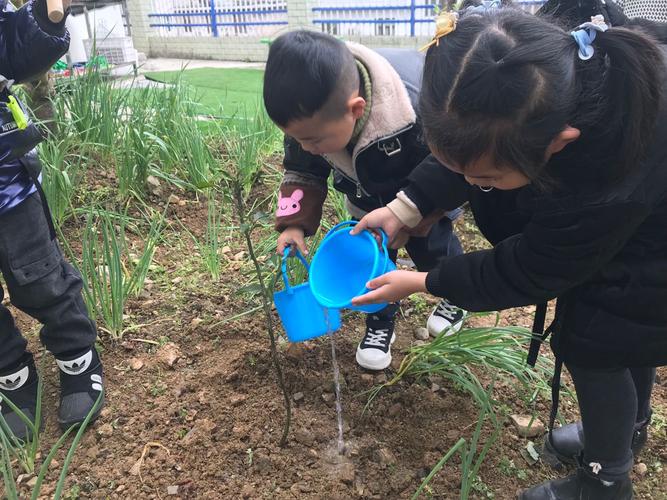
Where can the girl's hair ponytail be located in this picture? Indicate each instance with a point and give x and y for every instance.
(505, 83)
(633, 87)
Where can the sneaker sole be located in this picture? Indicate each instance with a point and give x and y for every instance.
(379, 366)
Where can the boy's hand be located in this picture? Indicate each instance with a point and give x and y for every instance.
(289, 238)
(382, 218)
(392, 287)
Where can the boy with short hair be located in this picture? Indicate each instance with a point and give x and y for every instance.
(39, 280)
(351, 110)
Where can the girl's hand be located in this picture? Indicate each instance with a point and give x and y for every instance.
(392, 287)
(290, 237)
(382, 218)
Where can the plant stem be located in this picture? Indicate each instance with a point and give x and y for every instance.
(266, 305)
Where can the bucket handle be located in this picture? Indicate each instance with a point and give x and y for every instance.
(283, 267)
(352, 223)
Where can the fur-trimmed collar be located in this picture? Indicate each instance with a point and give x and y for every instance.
(391, 110)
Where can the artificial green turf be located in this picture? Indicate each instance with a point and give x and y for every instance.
(220, 91)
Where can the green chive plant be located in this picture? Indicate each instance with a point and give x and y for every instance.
(63, 164)
(499, 350)
(471, 456)
(210, 246)
(247, 143)
(11, 448)
(93, 106)
(109, 276)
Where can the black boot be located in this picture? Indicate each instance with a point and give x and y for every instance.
(80, 385)
(19, 385)
(567, 443)
(583, 485)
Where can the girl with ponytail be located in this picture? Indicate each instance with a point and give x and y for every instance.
(558, 141)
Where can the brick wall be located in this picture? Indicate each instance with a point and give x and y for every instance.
(222, 49)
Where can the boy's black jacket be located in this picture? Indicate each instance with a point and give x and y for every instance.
(383, 164)
(602, 251)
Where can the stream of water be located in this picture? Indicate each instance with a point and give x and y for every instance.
(336, 374)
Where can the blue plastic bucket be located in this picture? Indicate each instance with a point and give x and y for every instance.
(343, 264)
(301, 315)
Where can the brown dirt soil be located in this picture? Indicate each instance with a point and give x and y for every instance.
(209, 425)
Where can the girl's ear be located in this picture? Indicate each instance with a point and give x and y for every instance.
(357, 105)
(564, 137)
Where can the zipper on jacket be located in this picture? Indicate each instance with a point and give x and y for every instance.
(360, 189)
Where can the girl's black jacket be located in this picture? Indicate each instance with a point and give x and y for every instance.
(599, 247)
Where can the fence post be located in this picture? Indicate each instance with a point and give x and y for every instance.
(214, 19)
(412, 18)
(137, 11)
(300, 14)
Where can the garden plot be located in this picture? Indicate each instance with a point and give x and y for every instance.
(171, 228)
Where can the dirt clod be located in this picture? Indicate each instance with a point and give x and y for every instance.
(385, 457)
(305, 437)
(237, 399)
(201, 431)
(395, 409)
(169, 354)
(247, 491)
(22, 478)
(346, 473)
(328, 398)
(105, 430)
(136, 364)
(641, 469)
(421, 333)
(527, 426)
(295, 352)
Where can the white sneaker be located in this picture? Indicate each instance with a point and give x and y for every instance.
(374, 350)
(446, 316)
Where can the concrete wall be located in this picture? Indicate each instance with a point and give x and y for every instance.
(239, 48)
(222, 49)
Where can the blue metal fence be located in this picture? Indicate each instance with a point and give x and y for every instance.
(383, 17)
(394, 18)
(217, 17)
